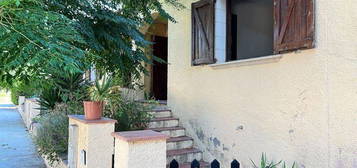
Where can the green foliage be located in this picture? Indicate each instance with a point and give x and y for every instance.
(49, 97)
(34, 41)
(42, 37)
(130, 114)
(21, 89)
(15, 96)
(52, 135)
(293, 166)
(69, 88)
(101, 89)
(264, 163)
(111, 29)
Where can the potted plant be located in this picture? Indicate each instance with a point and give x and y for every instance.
(93, 109)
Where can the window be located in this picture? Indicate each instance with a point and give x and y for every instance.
(250, 29)
(255, 28)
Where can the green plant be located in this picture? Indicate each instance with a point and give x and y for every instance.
(101, 89)
(264, 163)
(72, 86)
(49, 97)
(131, 115)
(67, 87)
(112, 31)
(21, 89)
(34, 41)
(52, 135)
(15, 96)
(293, 166)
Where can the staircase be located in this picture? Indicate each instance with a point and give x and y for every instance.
(179, 146)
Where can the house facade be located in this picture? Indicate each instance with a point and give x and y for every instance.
(275, 76)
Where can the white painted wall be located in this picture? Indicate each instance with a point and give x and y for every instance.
(301, 108)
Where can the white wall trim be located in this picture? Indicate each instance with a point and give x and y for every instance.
(245, 62)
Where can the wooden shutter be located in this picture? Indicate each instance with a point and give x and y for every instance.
(294, 25)
(203, 32)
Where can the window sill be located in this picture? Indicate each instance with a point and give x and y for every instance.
(246, 62)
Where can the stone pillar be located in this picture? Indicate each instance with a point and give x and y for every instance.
(21, 103)
(138, 149)
(21, 107)
(33, 113)
(90, 142)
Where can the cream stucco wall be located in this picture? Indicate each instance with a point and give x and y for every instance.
(148, 154)
(302, 107)
(96, 140)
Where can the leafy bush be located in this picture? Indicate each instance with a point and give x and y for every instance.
(21, 89)
(101, 89)
(130, 114)
(68, 88)
(15, 96)
(35, 41)
(49, 97)
(52, 135)
(264, 163)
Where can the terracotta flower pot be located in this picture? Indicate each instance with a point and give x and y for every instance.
(93, 110)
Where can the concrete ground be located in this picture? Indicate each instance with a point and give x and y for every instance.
(16, 147)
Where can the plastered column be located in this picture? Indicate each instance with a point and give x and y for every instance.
(90, 142)
(21, 103)
(138, 149)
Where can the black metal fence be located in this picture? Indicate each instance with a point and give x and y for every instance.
(196, 164)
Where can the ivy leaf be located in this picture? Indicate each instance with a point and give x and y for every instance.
(17, 3)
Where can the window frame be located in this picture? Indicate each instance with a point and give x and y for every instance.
(229, 41)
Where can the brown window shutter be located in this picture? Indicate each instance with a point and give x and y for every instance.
(294, 25)
(203, 32)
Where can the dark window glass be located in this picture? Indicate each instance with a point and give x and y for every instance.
(251, 24)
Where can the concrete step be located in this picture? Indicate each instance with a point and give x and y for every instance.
(164, 122)
(158, 113)
(171, 131)
(179, 143)
(185, 155)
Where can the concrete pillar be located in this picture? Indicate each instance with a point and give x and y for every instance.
(138, 149)
(90, 142)
(21, 103)
(33, 113)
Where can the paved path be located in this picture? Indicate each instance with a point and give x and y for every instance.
(16, 147)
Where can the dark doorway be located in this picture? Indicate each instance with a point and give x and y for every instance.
(159, 70)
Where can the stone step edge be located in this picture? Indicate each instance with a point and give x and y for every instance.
(158, 110)
(184, 151)
(166, 128)
(163, 119)
(179, 139)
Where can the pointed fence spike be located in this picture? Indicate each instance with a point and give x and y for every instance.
(195, 164)
(174, 164)
(235, 164)
(215, 164)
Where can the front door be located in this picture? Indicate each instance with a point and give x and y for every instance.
(159, 71)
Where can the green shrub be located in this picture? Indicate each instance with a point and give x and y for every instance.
(264, 163)
(49, 97)
(15, 96)
(68, 88)
(21, 90)
(130, 114)
(52, 135)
